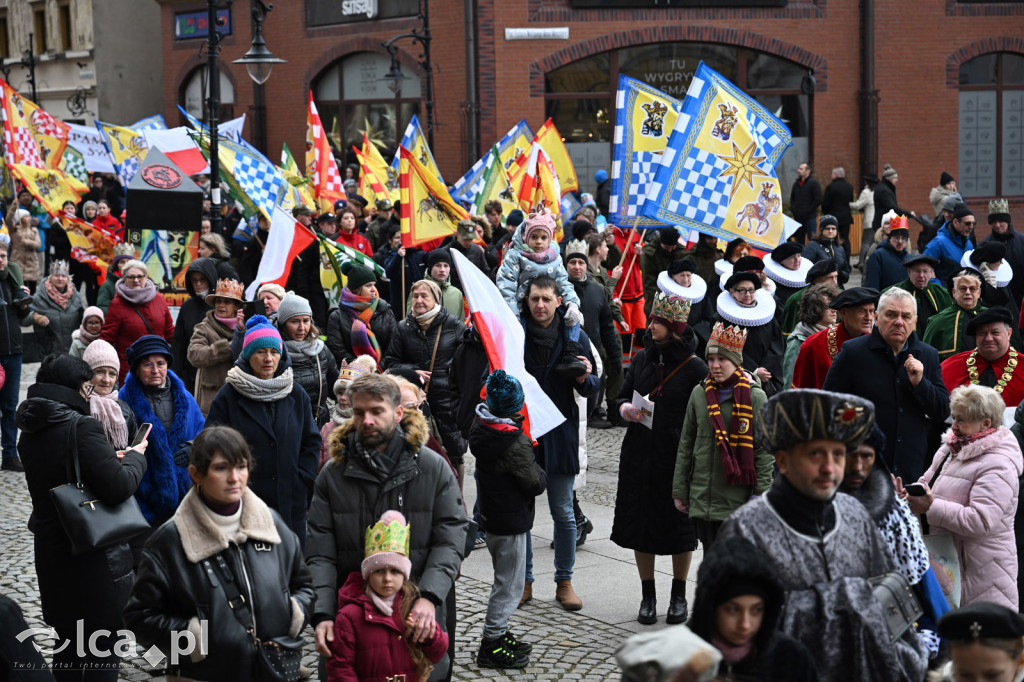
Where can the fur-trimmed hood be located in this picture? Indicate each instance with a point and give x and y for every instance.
(877, 493)
(201, 539)
(413, 425)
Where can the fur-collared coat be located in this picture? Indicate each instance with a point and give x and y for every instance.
(173, 591)
(348, 499)
(209, 352)
(975, 501)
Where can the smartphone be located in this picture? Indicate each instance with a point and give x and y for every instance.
(142, 435)
(257, 307)
(915, 489)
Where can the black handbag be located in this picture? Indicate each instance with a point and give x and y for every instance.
(278, 658)
(90, 522)
(900, 606)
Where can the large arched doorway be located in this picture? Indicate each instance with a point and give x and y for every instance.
(352, 98)
(195, 90)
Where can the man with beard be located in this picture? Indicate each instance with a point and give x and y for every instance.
(379, 462)
(825, 545)
(855, 309)
(931, 296)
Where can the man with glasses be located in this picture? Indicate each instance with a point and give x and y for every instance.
(951, 243)
(931, 296)
(885, 267)
(855, 310)
(946, 330)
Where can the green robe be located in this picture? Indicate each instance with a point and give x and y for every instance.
(945, 331)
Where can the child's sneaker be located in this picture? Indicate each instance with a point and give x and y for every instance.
(571, 366)
(494, 654)
(515, 645)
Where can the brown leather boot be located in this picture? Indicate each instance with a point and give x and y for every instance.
(527, 594)
(567, 596)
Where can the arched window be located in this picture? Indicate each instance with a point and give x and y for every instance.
(195, 91)
(992, 126)
(580, 96)
(352, 98)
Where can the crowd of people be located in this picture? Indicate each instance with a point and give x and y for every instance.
(302, 464)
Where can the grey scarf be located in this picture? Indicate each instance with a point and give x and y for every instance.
(309, 346)
(261, 390)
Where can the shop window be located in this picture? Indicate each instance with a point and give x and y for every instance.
(195, 93)
(991, 122)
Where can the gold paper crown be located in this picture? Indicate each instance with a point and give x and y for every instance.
(730, 338)
(391, 537)
(349, 373)
(60, 267)
(577, 246)
(229, 288)
(124, 249)
(671, 308)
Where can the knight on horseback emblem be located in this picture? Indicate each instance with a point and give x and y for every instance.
(758, 214)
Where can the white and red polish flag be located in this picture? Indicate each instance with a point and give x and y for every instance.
(288, 238)
(504, 340)
(180, 148)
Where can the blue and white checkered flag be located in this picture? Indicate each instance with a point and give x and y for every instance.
(257, 177)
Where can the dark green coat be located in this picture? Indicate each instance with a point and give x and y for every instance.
(935, 298)
(945, 331)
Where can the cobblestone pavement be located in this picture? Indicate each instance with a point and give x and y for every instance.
(566, 645)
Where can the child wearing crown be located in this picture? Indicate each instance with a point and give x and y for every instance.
(531, 255)
(371, 631)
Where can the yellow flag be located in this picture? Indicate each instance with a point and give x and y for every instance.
(554, 147)
(372, 159)
(49, 187)
(428, 210)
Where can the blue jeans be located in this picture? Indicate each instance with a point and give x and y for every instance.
(9, 405)
(560, 504)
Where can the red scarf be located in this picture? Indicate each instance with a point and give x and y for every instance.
(957, 443)
(61, 298)
(735, 445)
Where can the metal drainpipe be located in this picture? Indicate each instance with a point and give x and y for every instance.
(472, 106)
(868, 95)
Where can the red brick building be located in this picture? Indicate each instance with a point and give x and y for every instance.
(949, 77)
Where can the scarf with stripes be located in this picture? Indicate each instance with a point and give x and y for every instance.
(735, 444)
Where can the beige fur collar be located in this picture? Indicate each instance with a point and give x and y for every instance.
(201, 539)
(413, 423)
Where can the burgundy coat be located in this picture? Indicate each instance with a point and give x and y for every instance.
(123, 325)
(369, 646)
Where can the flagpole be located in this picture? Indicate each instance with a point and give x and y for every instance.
(622, 260)
(213, 74)
(403, 287)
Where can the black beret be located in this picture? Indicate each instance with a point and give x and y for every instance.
(962, 212)
(669, 236)
(981, 620)
(748, 264)
(820, 269)
(855, 296)
(914, 258)
(805, 414)
(737, 277)
(988, 316)
(681, 265)
(785, 250)
(827, 220)
(988, 252)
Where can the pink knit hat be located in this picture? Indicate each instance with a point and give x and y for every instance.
(99, 353)
(539, 221)
(387, 545)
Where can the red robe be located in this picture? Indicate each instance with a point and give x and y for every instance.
(954, 373)
(630, 286)
(815, 358)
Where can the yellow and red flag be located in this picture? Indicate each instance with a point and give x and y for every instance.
(554, 147)
(428, 211)
(20, 146)
(384, 180)
(89, 245)
(321, 168)
(537, 182)
(49, 187)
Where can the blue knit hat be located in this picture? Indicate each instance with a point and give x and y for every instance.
(600, 176)
(259, 333)
(147, 345)
(504, 394)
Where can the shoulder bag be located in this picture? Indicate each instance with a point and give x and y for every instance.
(90, 522)
(900, 606)
(278, 658)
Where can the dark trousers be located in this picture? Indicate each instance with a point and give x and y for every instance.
(707, 532)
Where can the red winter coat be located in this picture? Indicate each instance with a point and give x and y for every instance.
(369, 646)
(110, 226)
(355, 241)
(630, 286)
(123, 326)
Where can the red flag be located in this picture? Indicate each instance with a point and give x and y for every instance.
(288, 238)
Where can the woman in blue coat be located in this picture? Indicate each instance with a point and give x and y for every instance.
(263, 402)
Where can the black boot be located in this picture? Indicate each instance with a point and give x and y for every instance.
(677, 609)
(571, 366)
(648, 614)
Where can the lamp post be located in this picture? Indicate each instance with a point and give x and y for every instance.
(28, 60)
(395, 77)
(259, 61)
(212, 104)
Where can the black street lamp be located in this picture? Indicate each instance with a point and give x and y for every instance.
(395, 78)
(259, 61)
(28, 60)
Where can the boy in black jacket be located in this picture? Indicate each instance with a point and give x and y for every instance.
(508, 481)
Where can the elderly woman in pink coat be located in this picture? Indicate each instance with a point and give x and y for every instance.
(971, 493)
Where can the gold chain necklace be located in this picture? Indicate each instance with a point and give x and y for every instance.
(1004, 380)
(830, 339)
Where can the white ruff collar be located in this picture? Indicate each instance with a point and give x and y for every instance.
(789, 278)
(762, 312)
(722, 266)
(694, 293)
(1003, 275)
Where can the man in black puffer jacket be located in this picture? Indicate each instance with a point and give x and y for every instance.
(425, 341)
(200, 280)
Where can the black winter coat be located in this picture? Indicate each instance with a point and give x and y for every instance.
(174, 587)
(818, 250)
(316, 374)
(836, 201)
(885, 201)
(411, 348)
(192, 312)
(508, 477)
(470, 368)
(349, 498)
(248, 257)
(558, 450)
(598, 323)
(645, 517)
(804, 199)
(285, 444)
(905, 413)
(339, 331)
(304, 279)
(1014, 243)
(415, 269)
(94, 585)
(11, 314)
